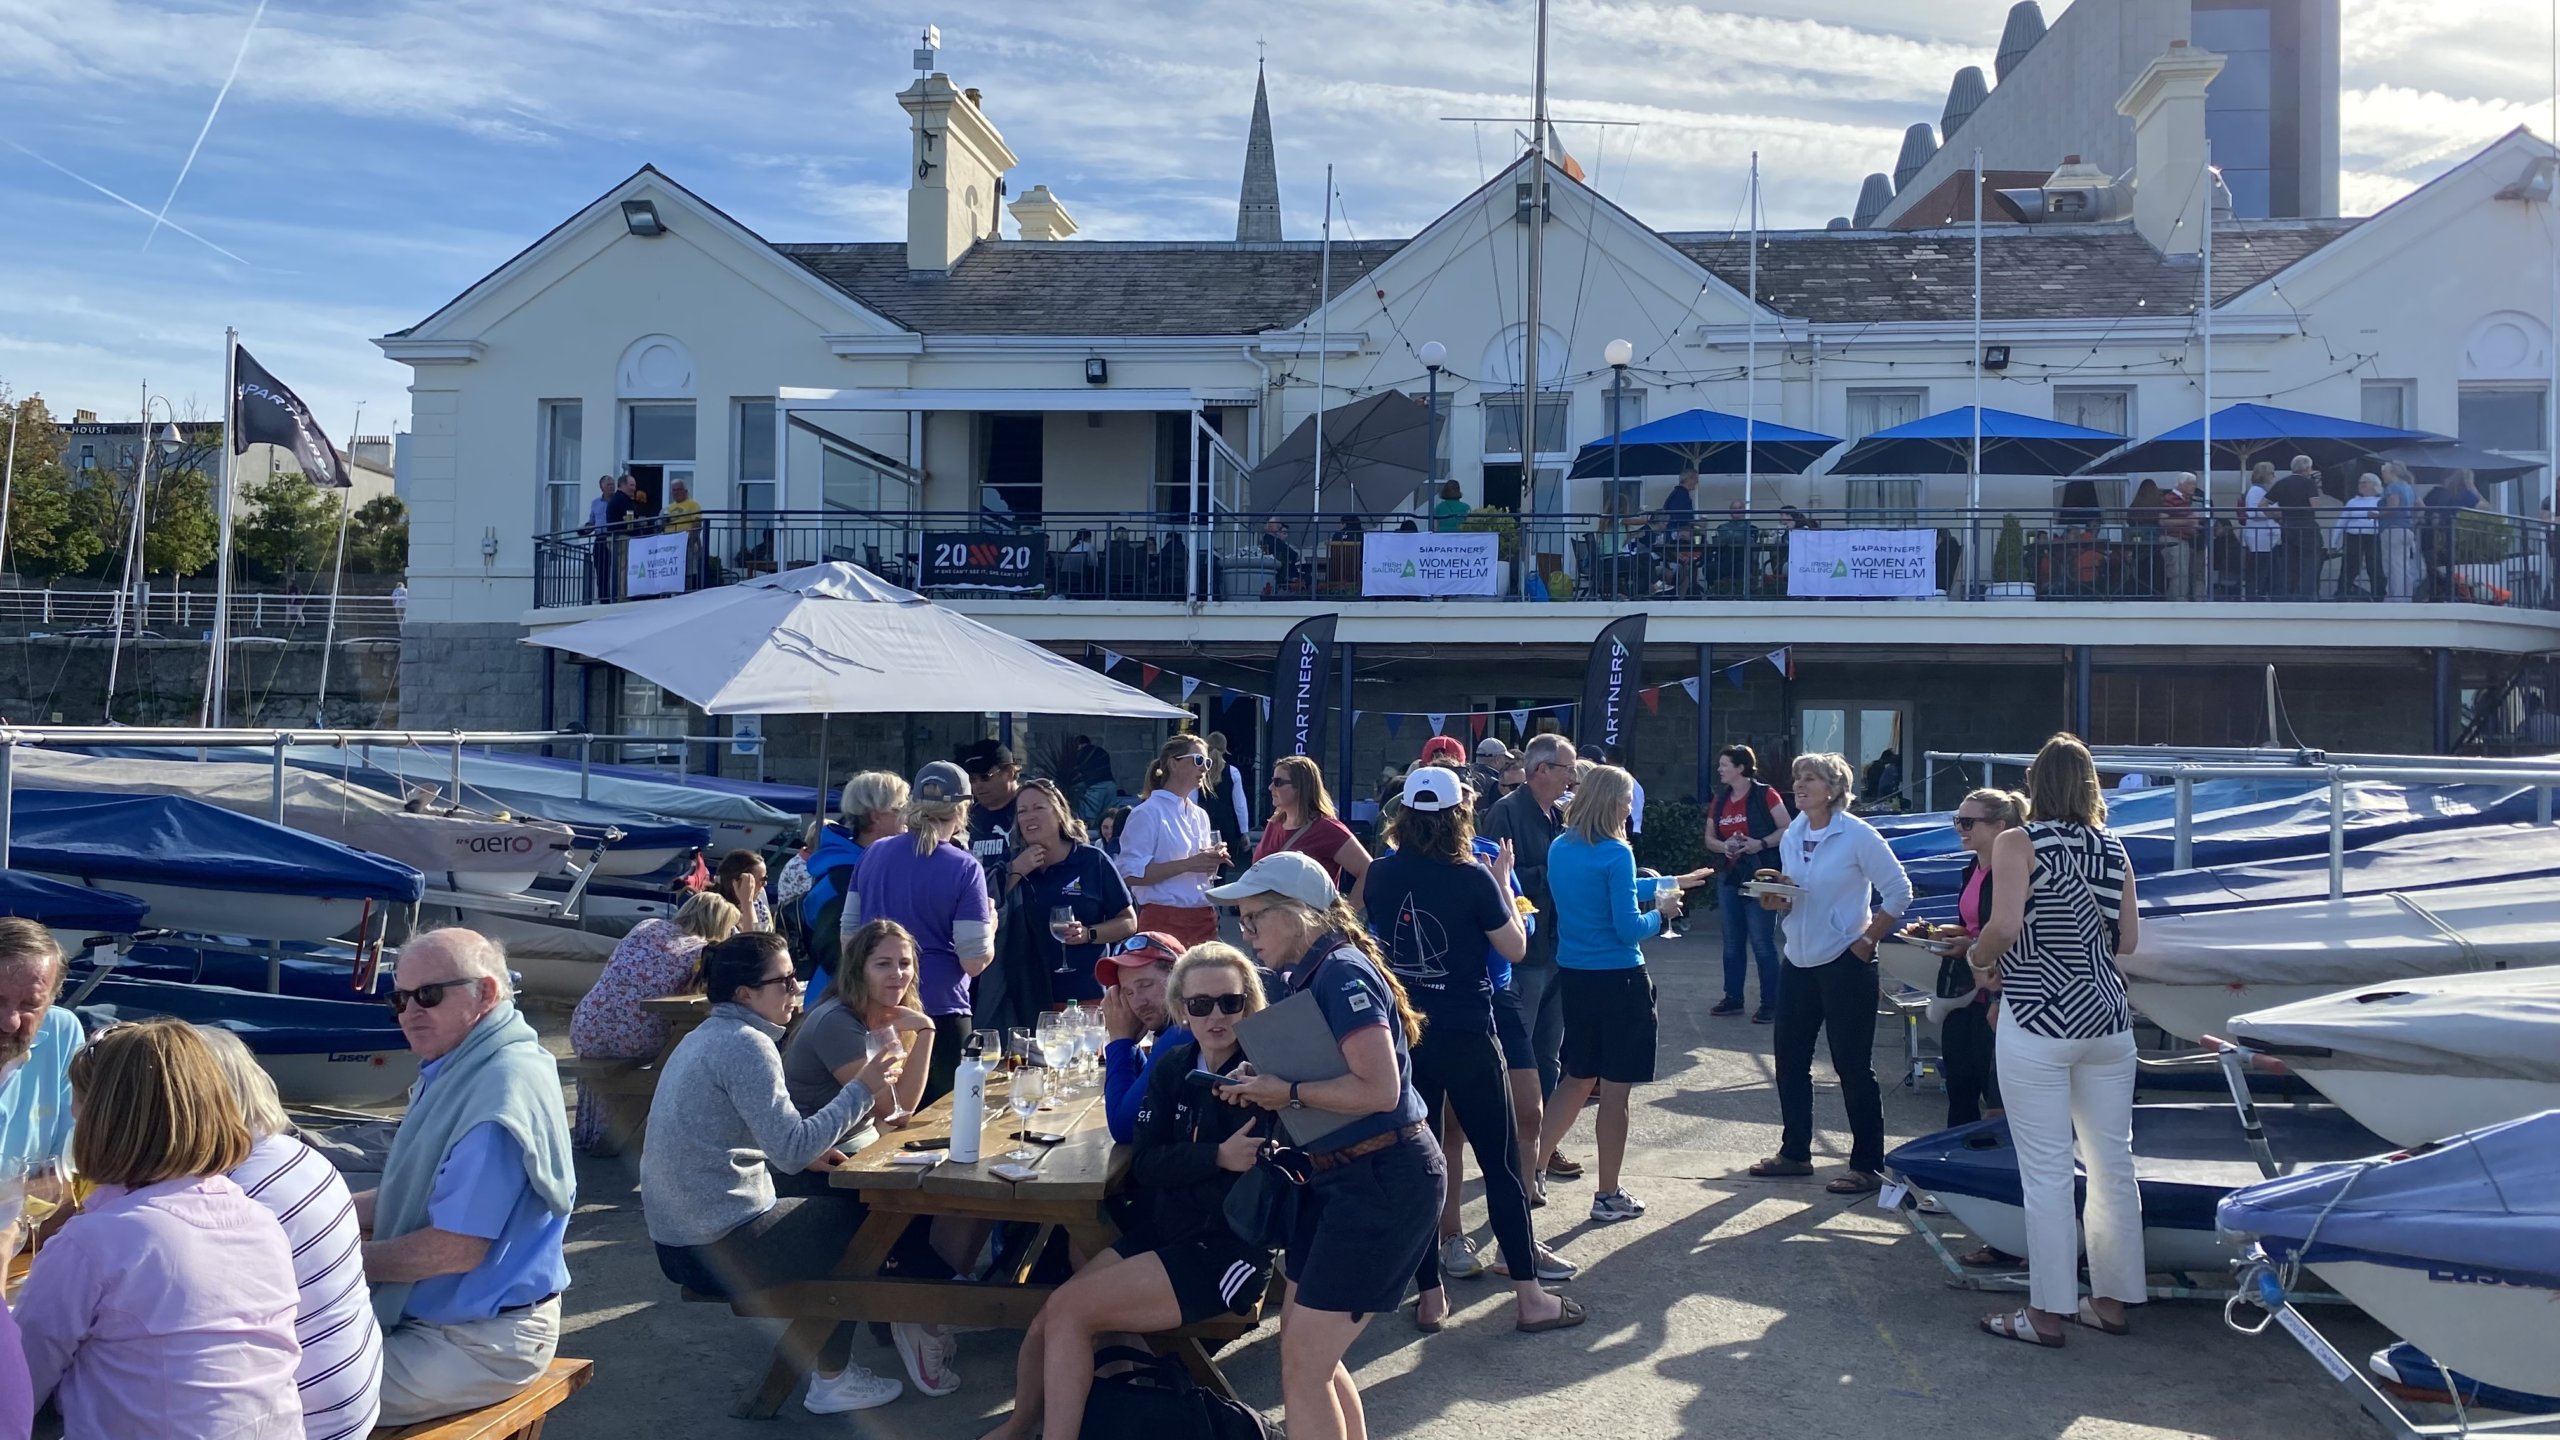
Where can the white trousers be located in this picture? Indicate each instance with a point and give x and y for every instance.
(430, 1371)
(2401, 566)
(2054, 1089)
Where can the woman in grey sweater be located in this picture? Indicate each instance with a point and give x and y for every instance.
(720, 1113)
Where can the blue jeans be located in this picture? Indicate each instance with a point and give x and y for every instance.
(1744, 922)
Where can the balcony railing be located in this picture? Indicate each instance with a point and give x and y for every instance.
(2476, 557)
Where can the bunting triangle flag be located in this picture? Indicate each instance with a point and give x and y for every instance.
(1785, 663)
(1110, 661)
(1147, 674)
(1439, 722)
(1266, 708)
(1691, 685)
(1734, 674)
(1520, 723)
(1652, 698)
(1564, 718)
(1226, 696)
(1475, 726)
(1355, 718)
(1395, 724)
(1189, 684)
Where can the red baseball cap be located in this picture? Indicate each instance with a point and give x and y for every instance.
(1444, 747)
(1147, 947)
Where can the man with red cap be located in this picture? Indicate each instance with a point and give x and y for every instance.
(1133, 975)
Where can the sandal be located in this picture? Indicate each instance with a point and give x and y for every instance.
(2018, 1325)
(1989, 1257)
(1565, 1319)
(2088, 1318)
(1779, 1167)
(1430, 1327)
(1854, 1182)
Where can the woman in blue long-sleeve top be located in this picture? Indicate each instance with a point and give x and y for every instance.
(1608, 997)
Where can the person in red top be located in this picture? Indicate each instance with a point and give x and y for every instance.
(1302, 820)
(1743, 820)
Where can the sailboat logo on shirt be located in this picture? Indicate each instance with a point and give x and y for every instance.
(1417, 946)
(1072, 887)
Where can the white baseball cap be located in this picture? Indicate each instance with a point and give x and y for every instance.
(1429, 787)
(1287, 874)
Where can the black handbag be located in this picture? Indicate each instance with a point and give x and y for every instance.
(1156, 1397)
(1013, 991)
(1262, 1206)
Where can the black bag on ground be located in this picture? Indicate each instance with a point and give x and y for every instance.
(1156, 1397)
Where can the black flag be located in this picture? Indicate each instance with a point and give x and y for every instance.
(263, 412)
(1609, 684)
(1297, 686)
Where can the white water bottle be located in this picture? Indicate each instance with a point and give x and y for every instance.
(968, 1106)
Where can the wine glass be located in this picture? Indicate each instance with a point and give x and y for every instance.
(1062, 918)
(1030, 1089)
(1058, 1051)
(1021, 1051)
(1090, 1038)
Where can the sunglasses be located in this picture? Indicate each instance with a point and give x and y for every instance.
(1191, 759)
(787, 977)
(1967, 822)
(428, 996)
(1198, 1006)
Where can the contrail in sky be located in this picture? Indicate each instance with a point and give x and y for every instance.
(129, 205)
(237, 56)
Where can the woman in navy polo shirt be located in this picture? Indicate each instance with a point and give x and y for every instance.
(1369, 1214)
(1059, 869)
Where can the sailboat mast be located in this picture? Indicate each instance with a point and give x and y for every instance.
(1324, 336)
(1537, 275)
(1751, 344)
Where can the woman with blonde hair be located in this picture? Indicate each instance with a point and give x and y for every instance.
(1610, 1024)
(658, 958)
(167, 1305)
(869, 1006)
(1850, 890)
(1169, 851)
(2064, 911)
(1372, 1205)
(1302, 820)
(1181, 1264)
(937, 891)
(872, 807)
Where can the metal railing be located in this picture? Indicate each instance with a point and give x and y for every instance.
(188, 614)
(2474, 557)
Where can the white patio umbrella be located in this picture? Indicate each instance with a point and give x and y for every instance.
(836, 639)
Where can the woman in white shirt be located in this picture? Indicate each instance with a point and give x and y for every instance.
(1852, 890)
(2360, 539)
(2259, 532)
(1169, 852)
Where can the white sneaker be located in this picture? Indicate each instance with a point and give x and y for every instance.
(927, 1350)
(1458, 1258)
(1615, 1205)
(854, 1388)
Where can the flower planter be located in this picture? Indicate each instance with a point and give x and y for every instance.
(2011, 590)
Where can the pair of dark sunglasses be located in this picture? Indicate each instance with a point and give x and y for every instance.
(1199, 1006)
(428, 997)
(1967, 822)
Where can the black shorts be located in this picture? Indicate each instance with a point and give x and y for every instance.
(1608, 1024)
(1210, 1277)
(1362, 1228)
(1512, 1029)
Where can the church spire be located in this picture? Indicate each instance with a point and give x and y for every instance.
(1258, 208)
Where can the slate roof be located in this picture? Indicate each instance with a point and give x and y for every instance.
(1826, 277)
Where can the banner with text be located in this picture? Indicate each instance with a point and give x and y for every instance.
(654, 564)
(986, 562)
(1298, 675)
(1610, 678)
(1862, 562)
(1427, 564)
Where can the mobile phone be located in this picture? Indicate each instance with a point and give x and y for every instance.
(1212, 1077)
(1039, 1137)
(926, 1145)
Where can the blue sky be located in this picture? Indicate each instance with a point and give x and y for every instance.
(374, 157)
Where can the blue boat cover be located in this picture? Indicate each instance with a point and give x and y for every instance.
(314, 977)
(1916, 837)
(269, 1024)
(798, 799)
(68, 907)
(2486, 1204)
(168, 840)
(2186, 1157)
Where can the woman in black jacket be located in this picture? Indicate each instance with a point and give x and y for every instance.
(1182, 1264)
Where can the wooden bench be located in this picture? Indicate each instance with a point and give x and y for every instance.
(624, 1087)
(518, 1417)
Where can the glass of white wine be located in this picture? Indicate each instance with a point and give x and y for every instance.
(1030, 1087)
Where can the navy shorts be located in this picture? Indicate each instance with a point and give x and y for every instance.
(1363, 1227)
(1512, 1029)
(1210, 1277)
(1609, 1024)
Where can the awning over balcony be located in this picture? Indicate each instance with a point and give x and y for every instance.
(1096, 398)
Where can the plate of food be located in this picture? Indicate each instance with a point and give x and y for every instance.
(1936, 939)
(1770, 884)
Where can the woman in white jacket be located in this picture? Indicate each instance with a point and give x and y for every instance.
(1852, 891)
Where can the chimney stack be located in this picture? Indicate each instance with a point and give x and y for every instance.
(955, 173)
(2166, 106)
(1042, 217)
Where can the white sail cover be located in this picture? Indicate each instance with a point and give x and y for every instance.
(433, 769)
(450, 843)
(2358, 940)
(2503, 1025)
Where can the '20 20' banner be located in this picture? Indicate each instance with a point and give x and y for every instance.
(986, 561)
(1862, 562)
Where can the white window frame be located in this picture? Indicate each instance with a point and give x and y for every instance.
(2405, 390)
(741, 429)
(574, 480)
(1873, 395)
(2063, 410)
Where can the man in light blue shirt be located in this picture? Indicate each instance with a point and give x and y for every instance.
(37, 1041)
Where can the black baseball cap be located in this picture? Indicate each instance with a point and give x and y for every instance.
(985, 757)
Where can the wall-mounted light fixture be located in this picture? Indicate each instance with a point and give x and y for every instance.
(640, 217)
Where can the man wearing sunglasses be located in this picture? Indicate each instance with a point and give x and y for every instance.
(1133, 975)
(463, 1238)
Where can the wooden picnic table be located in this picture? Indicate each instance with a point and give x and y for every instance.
(1074, 1179)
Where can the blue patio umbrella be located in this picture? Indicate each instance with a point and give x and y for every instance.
(2012, 444)
(2245, 434)
(1709, 441)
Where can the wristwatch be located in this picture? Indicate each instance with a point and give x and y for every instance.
(1294, 1102)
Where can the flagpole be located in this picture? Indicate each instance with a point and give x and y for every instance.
(132, 557)
(337, 579)
(1533, 298)
(1973, 458)
(9, 479)
(2204, 314)
(1751, 348)
(218, 668)
(1324, 338)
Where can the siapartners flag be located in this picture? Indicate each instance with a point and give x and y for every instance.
(264, 412)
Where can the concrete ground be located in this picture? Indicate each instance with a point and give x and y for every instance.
(1733, 1307)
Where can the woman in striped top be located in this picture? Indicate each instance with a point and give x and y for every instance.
(340, 1373)
(2063, 910)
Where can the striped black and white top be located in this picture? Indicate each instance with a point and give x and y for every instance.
(2060, 980)
(341, 1370)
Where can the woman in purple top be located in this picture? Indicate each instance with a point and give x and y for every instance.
(166, 1306)
(938, 891)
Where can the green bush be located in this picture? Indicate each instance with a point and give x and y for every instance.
(2009, 555)
(1494, 520)
(2481, 537)
(1675, 837)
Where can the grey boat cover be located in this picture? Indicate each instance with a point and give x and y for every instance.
(2503, 1025)
(2358, 940)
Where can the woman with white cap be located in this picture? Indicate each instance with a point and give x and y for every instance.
(938, 891)
(1443, 914)
(1373, 1202)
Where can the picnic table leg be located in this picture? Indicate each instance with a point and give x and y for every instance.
(803, 1340)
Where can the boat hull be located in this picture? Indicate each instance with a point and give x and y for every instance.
(239, 912)
(2483, 1325)
(342, 1077)
(2420, 1109)
(2165, 1248)
(2192, 1012)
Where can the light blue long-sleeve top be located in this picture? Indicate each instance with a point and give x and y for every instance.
(1598, 922)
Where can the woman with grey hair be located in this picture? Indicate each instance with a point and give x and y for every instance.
(1850, 890)
(2360, 539)
(340, 1373)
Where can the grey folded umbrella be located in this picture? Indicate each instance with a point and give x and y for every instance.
(2434, 459)
(1377, 454)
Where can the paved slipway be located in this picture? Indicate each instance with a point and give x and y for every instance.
(1732, 1307)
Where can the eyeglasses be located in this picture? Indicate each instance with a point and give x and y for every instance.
(787, 977)
(1198, 1006)
(428, 996)
(1252, 919)
(1967, 822)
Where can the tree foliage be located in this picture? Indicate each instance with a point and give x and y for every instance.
(55, 526)
(378, 537)
(287, 529)
(178, 527)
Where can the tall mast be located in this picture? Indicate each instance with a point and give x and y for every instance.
(1537, 274)
(1751, 345)
(1324, 334)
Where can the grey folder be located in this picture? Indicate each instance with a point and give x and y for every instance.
(1293, 1041)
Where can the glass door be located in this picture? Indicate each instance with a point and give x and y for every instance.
(1872, 739)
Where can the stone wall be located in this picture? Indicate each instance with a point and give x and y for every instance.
(58, 680)
(475, 677)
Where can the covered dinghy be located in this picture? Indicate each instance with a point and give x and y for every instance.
(57, 906)
(2418, 1060)
(2456, 1248)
